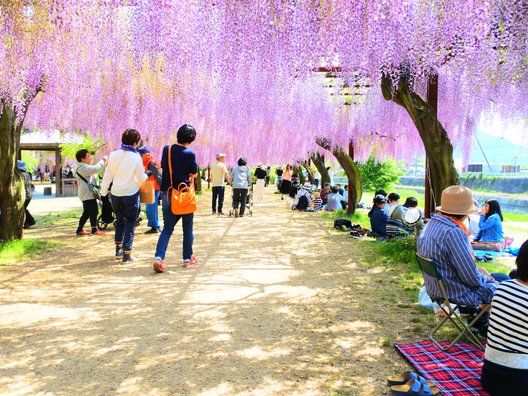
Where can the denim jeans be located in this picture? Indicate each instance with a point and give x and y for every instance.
(152, 211)
(218, 192)
(169, 221)
(127, 211)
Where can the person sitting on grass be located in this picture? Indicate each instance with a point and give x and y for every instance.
(399, 212)
(378, 218)
(333, 200)
(490, 236)
(393, 200)
(303, 198)
(505, 369)
(317, 201)
(325, 192)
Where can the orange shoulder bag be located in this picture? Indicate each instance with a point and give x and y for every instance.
(183, 198)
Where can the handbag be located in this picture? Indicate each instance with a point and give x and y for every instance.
(92, 187)
(146, 192)
(183, 198)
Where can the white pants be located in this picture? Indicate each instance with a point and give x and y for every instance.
(258, 193)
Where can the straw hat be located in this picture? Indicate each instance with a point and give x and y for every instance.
(457, 200)
(307, 186)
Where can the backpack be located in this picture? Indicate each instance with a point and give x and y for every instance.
(342, 225)
(302, 204)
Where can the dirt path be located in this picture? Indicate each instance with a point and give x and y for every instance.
(280, 304)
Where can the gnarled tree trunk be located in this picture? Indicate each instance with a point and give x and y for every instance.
(437, 144)
(308, 171)
(355, 185)
(12, 193)
(298, 171)
(319, 163)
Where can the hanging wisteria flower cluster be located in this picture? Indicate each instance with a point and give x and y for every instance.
(250, 75)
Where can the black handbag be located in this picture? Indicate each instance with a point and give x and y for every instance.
(92, 187)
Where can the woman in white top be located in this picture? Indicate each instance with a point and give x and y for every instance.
(126, 173)
(505, 370)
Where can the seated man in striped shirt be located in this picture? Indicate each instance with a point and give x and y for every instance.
(445, 240)
(505, 370)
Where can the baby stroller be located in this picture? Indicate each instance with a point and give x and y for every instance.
(249, 206)
(107, 213)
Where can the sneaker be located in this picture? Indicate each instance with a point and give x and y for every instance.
(153, 230)
(82, 232)
(213, 213)
(189, 262)
(236, 212)
(119, 251)
(127, 256)
(98, 232)
(158, 265)
(221, 213)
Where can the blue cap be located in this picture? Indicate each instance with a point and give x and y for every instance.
(144, 150)
(21, 165)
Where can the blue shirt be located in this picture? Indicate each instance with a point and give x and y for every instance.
(333, 202)
(448, 245)
(183, 164)
(378, 221)
(490, 229)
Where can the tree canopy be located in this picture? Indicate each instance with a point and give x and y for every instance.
(249, 75)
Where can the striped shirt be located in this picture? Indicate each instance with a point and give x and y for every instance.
(508, 326)
(445, 243)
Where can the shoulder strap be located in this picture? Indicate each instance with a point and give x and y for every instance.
(170, 165)
(78, 174)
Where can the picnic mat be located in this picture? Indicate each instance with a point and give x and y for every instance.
(455, 372)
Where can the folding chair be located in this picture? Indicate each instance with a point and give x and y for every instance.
(428, 267)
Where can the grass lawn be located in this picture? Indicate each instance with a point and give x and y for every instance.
(20, 250)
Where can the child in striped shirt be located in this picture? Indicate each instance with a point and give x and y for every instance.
(317, 201)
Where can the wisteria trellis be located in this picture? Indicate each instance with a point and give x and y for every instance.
(242, 71)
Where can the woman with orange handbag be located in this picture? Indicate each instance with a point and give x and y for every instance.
(178, 165)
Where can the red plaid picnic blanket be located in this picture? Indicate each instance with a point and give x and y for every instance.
(455, 372)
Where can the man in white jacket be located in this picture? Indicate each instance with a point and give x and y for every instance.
(126, 173)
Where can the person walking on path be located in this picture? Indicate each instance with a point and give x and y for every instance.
(260, 174)
(184, 167)
(125, 171)
(268, 173)
(29, 187)
(153, 170)
(241, 180)
(286, 182)
(85, 173)
(317, 179)
(219, 174)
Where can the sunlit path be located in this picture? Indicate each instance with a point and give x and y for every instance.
(278, 305)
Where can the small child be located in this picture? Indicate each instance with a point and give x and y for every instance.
(317, 201)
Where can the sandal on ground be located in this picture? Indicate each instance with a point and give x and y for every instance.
(414, 387)
(394, 380)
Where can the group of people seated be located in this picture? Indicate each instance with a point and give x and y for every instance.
(445, 240)
(389, 219)
(307, 197)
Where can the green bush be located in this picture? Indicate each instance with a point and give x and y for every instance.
(379, 175)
